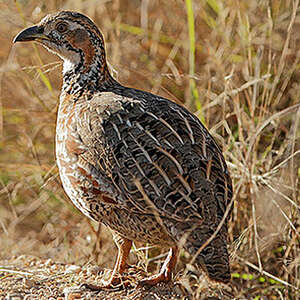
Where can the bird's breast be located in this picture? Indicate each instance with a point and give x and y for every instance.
(69, 147)
(77, 131)
(68, 144)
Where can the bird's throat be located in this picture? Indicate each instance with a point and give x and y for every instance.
(84, 74)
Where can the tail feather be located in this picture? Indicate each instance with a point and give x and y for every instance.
(214, 258)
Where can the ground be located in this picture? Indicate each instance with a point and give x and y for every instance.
(237, 69)
(28, 277)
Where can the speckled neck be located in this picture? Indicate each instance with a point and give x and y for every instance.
(88, 73)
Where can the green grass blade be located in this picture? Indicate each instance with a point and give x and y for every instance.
(192, 50)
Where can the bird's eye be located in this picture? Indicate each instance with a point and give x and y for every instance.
(62, 27)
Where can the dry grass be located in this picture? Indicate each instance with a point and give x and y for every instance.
(239, 71)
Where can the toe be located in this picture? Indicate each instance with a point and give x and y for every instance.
(154, 280)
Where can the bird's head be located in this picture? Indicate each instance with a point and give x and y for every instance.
(72, 36)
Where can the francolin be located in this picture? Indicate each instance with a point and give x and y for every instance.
(139, 163)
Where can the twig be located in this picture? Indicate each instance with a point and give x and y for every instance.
(266, 273)
(280, 193)
(235, 91)
(265, 123)
(284, 53)
(255, 231)
(5, 270)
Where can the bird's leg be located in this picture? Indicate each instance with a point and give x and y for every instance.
(165, 273)
(124, 246)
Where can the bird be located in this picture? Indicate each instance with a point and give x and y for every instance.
(142, 165)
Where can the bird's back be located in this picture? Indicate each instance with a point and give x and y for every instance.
(149, 155)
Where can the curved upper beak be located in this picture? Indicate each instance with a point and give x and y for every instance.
(31, 34)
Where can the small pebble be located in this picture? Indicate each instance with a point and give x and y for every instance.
(74, 296)
(54, 267)
(73, 269)
(72, 293)
(93, 270)
(48, 262)
(14, 296)
(29, 283)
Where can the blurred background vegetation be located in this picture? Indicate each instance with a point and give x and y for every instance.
(234, 63)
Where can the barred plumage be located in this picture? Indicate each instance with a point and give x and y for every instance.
(142, 165)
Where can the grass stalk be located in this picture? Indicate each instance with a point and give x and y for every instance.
(194, 95)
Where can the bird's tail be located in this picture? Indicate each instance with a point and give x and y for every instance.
(214, 258)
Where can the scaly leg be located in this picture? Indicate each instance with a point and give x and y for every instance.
(124, 247)
(165, 273)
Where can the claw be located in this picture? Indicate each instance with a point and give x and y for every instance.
(165, 275)
(91, 287)
(116, 280)
(113, 284)
(154, 280)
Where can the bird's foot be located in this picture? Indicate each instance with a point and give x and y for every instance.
(115, 283)
(165, 274)
(155, 279)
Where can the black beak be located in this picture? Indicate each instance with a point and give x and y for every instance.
(31, 34)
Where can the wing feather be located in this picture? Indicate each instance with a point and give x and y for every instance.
(158, 157)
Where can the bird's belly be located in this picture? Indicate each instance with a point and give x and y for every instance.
(77, 186)
(88, 198)
(81, 191)
(72, 180)
(138, 227)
